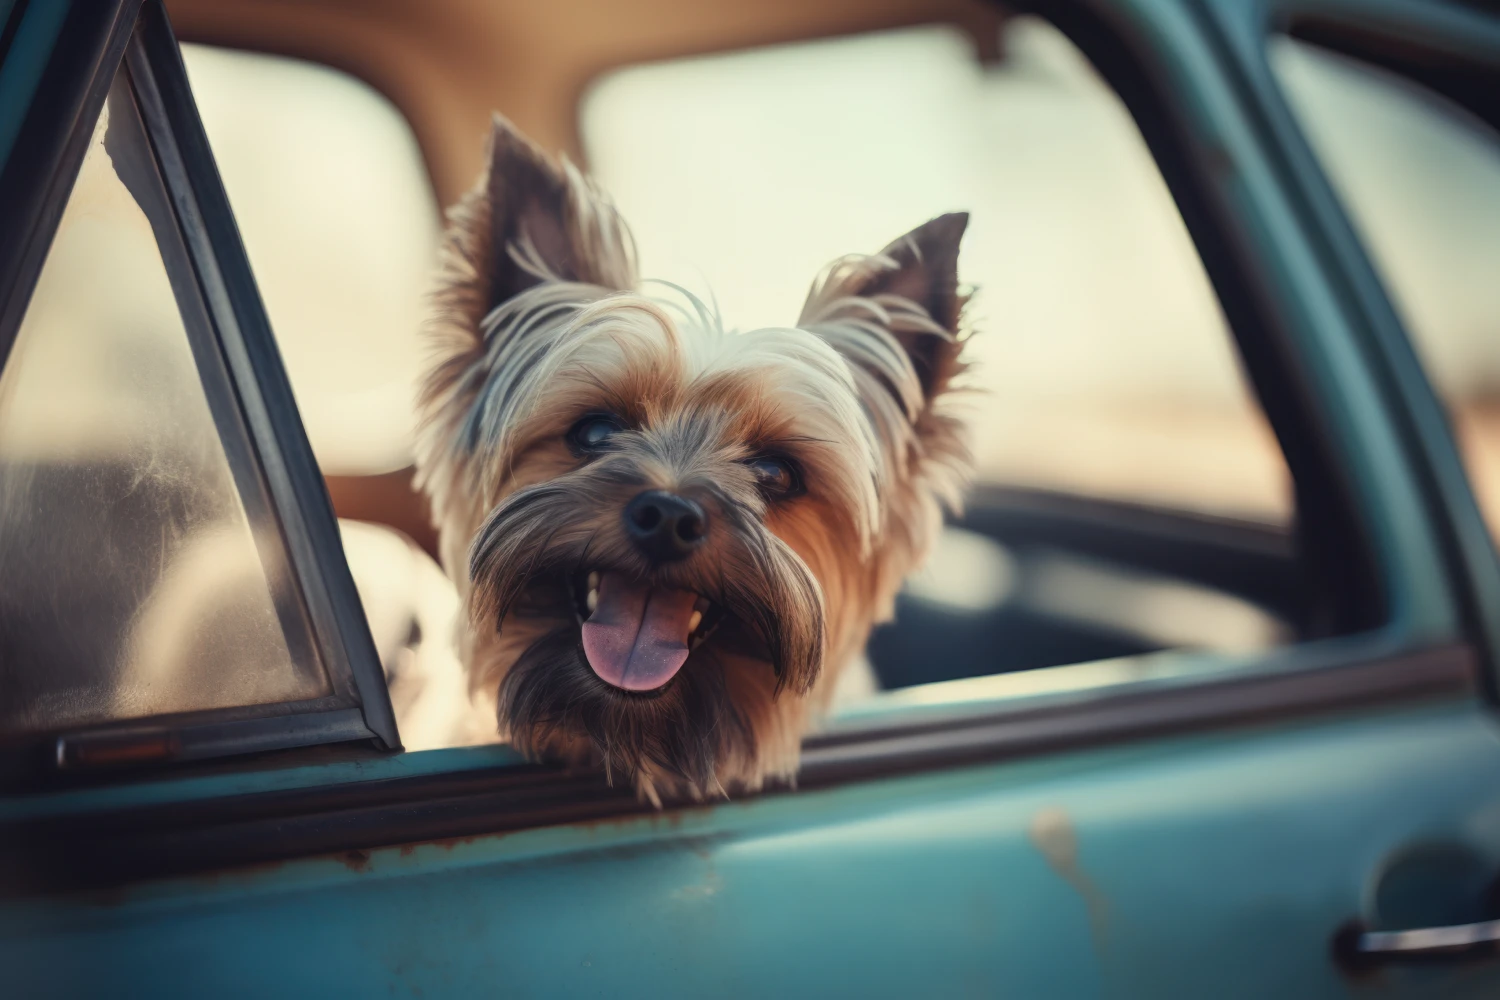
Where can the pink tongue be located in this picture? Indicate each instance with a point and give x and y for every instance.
(636, 638)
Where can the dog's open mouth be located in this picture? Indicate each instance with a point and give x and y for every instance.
(636, 636)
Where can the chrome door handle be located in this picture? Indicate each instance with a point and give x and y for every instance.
(1362, 947)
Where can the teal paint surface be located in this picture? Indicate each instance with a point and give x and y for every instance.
(21, 72)
(1441, 28)
(1224, 101)
(952, 884)
(169, 789)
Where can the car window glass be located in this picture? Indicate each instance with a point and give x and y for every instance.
(339, 220)
(140, 574)
(1421, 180)
(1104, 366)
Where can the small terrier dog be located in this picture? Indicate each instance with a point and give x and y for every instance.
(669, 537)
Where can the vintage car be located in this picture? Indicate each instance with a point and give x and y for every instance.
(1196, 699)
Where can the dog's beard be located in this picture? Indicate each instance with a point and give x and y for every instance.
(533, 565)
(551, 697)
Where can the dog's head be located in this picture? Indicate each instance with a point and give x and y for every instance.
(671, 536)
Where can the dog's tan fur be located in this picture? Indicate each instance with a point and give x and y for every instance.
(541, 321)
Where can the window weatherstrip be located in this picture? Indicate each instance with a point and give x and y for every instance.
(382, 808)
(228, 291)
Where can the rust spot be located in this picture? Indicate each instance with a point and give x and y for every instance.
(121, 893)
(657, 819)
(131, 746)
(1053, 834)
(612, 822)
(671, 817)
(356, 861)
(213, 878)
(407, 850)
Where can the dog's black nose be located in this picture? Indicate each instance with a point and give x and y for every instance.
(665, 526)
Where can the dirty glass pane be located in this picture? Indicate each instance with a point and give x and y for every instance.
(140, 569)
(1420, 177)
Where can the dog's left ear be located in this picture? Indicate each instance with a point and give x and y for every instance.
(918, 270)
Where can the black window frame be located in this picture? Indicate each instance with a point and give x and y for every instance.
(1375, 660)
(242, 373)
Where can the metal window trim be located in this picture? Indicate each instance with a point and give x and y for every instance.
(1319, 325)
(1466, 547)
(220, 289)
(1154, 59)
(345, 810)
(223, 392)
(245, 333)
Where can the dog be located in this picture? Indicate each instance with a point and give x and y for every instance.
(670, 538)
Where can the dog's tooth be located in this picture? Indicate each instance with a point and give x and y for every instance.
(593, 581)
(694, 622)
(593, 600)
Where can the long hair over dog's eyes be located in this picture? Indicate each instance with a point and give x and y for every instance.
(593, 433)
(778, 477)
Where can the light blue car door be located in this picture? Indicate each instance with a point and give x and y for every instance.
(1322, 819)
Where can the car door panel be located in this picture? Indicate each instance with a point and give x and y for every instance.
(1102, 872)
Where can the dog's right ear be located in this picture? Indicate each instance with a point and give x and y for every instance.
(543, 221)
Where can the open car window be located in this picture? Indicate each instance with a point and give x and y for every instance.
(171, 582)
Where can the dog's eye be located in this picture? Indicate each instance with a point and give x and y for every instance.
(592, 433)
(778, 477)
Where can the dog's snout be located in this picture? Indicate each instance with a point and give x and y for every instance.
(665, 526)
